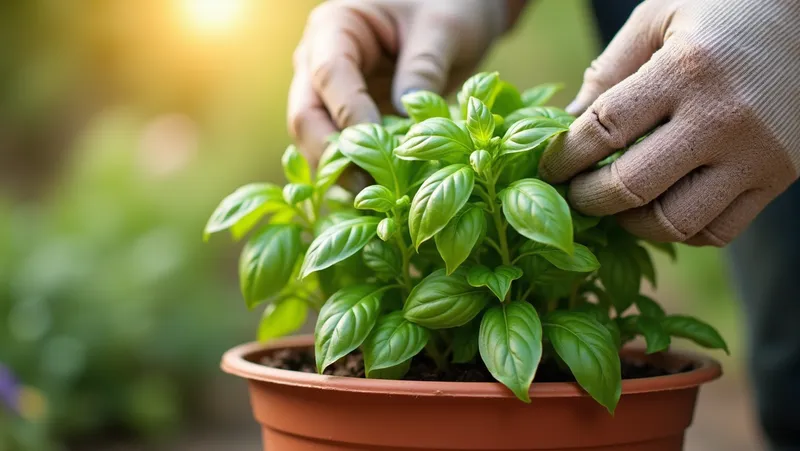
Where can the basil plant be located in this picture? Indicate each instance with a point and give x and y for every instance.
(458, 250)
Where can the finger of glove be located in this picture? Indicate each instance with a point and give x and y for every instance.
(426, 57)
(728, 225)
(342, 49)
(618, 117)
(687, 207)
(308, 120)
(633, 45)
(644, 172)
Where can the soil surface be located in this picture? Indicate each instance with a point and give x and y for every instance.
(424, 369)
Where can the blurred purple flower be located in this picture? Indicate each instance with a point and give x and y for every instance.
(9, 389)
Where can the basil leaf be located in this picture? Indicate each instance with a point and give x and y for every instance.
(396, 125)
(583, 223)
(440, 301)
(456, 241)
(480, 122)
(541, 94)
(613, 329)
(645, 263)
(438, 200)
(383, 258)
(582, 260)
(280, 214)
(480, 160)
(557, 114)
(498, 281)
(338, 198)
(339, 242)
(247, 204)
(282, 318)
(393, 341)
(693, 329)
(370, 147)
(295, 166)
(345, 321)
(294, 193)
(589, 351)
(484, 86)
(375, 197)
(655, 335)
(267, 261)
(396, 372)
(338, 217)
(527, 134)
(507, 100)
(667, 248)
(537, 212)
(649, 307)
(510, 344)
(387, 228)
(619, 271)
(435, 139)
(331, 165)
(421, 105)
(465, 342)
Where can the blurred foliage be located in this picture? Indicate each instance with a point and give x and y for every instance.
(113, 313)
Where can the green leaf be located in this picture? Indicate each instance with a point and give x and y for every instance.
(456, 241)
(339, 242)
(481, 161)
(440, 301)
(435, 139)
(483, 86)
(645, 263)
(282, 318)
(338, 198)
(396, 125)
(345, 321)
(541, 94)
(507, 100)
(480, 122)
(465, 342)
(589, 351)
(279, 214)
(527, 134)
(396, 372)
(609, 159)
(613, 329)
(383, 258)
(582, 260)
(393, 341)
(438, 200)
(370, 147)
(666, 248)
(583, 223)
(331, 165)
(649, 307)
(421, 170)
(247, 204)
(537, 212)
(387, 228)
(267, 261)
(375, 197)
(498, 281)
(510, 344)
(655, 335)
(619, 271)
(693, 329)
(422, 105)
(295, 166)
(557, 114)
(294, 193)
(326, 222)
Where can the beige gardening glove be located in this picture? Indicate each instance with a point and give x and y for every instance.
(358, 57)
(721, 81)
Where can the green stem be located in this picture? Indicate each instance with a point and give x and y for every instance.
(499, 225)
(527, 292)
(437, 357)
(405, 253)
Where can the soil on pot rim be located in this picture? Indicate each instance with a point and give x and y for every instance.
(424, 369)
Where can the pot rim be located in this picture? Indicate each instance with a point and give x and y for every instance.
(239, 361)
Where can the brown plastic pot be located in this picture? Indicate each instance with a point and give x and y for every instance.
(305, 412)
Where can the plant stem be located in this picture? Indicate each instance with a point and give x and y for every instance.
(499, 225)
(405, 252)
(437, 357)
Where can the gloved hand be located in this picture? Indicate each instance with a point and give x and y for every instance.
(720, 79)
(355, 52)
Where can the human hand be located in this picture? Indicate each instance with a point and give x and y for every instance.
(357, 58)
(718, 83)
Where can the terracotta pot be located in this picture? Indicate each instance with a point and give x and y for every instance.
(305, 412)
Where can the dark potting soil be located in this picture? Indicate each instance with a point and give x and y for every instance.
(424, 369)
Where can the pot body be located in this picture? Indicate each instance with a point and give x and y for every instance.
(305, 412)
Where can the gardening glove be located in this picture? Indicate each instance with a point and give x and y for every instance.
(718, 83)
(357, 58)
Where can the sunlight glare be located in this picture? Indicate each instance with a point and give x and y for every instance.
(214, 16)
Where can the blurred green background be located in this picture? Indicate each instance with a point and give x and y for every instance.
(122, 124)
